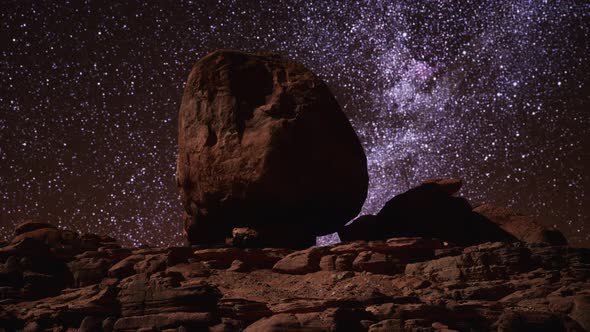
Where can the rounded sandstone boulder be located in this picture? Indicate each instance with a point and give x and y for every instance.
(264, 144)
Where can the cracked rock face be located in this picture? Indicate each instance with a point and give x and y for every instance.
(264, 144)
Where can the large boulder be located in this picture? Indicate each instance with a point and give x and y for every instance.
(264, 144)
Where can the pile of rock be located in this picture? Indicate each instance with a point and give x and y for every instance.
(431, 210)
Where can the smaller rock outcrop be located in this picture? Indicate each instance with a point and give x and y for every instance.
(449, 186)
(430, 210)
(522, 227)
(41, 260)
(31, 225)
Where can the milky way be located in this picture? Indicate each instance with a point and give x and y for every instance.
(494, 92)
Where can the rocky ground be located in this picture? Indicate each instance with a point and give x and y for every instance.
(53, 280)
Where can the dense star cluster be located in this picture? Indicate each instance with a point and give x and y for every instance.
(495, 92)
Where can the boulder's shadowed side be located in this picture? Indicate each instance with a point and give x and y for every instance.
(264, 144)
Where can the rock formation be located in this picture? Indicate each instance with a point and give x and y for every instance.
(266, 161)
(431, 210)
(522, 227)
(263, 144)
(398, 284)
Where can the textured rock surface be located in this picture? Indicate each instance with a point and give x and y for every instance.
(263, 144)
(397, 284)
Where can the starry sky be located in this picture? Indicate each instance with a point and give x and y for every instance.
(493, 91)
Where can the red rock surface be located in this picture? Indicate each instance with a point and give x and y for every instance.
(398, 284)
(264, 144)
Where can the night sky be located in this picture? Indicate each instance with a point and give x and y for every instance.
(494, 92)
